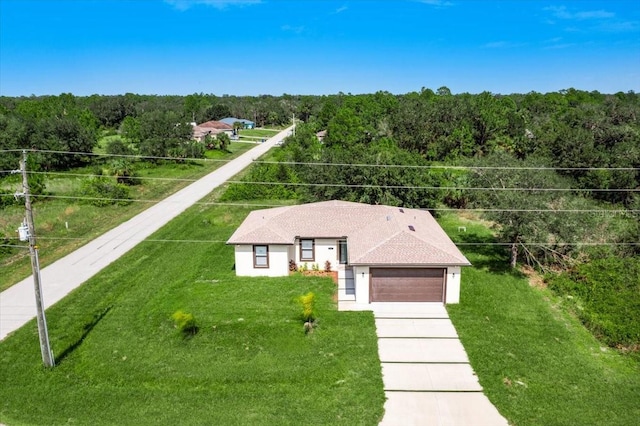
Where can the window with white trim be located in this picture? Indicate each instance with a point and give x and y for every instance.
(307, 250)
(260, 256)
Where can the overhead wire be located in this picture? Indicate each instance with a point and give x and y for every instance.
(439, 209)
(304, 163)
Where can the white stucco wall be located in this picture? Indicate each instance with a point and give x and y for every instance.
(361, 278)
(278, 261)
(453, 284)
(325, 250)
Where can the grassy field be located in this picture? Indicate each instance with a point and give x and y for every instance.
(62, 225)
(121, 361)
(536, 362)
(257, 134)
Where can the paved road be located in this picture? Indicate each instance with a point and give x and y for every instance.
(17, 304)
(425, 370)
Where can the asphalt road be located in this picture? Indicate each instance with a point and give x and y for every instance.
(17, 304)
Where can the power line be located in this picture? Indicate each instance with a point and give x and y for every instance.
(303, 163)
(435, 166)
(441, 209)
(448, 188)
(93, 154)
(559, 244)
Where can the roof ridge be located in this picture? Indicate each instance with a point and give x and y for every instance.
(376, 246)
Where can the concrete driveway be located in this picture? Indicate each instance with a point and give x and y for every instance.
(17, 303)
(426, 373)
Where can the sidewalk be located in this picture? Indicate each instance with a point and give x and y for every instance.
(425, 370)
(17, 304)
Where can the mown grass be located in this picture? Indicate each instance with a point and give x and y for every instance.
(263, 133)
(535, 361)
(121, 361)
(63, 224)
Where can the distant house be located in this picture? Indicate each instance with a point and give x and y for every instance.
(211, 128)
(248, 124)
(381, 253)
(321, 135)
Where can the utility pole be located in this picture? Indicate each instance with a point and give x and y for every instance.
(45, 347)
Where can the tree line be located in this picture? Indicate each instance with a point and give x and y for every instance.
(545, 168)
(584, 141)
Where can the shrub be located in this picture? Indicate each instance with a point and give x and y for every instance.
(185, 323)
(103, 191)
(315, 267)
(118, 147)
(327, 266)
(124, 171)
(292, 266)
(308, 302)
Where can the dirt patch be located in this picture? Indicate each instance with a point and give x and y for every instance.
(70, 210)
(535, 279)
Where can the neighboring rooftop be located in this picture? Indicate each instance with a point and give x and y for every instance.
(231, 120)
(219, 125)
(375, 234)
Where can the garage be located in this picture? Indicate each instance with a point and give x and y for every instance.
(407, 284)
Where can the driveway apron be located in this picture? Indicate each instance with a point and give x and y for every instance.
(17, 303)
(425, 370)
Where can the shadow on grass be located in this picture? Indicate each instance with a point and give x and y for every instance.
(485, 253)
(87, 329)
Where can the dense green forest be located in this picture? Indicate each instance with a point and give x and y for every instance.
(556, 174)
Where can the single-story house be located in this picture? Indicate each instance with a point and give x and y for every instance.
(211, 128)
(381, 253)
(248, 124)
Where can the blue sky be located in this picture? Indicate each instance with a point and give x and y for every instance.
(253, 47)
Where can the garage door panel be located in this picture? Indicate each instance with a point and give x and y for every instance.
(407, 285)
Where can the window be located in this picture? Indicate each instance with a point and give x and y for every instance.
(342, 252)
(307, 250)
(260, 256)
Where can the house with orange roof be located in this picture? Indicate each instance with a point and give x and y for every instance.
(210, 128)
(382, 253)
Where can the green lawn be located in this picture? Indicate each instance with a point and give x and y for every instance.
(253, 135)
(62, 225)
(121, 361)
(536, 362)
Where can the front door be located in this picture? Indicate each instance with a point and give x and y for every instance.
(342, 252)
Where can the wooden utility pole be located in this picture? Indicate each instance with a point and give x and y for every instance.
(45, 347)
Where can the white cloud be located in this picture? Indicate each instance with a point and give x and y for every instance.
(218, 4)
(438, 3)
(561, 12)
(501, 45)
(293, 29)
(341, 9)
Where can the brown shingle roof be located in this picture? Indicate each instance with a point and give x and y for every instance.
(215, 125)
(377, 235)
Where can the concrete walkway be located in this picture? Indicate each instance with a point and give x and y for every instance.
(426, 373)
(17, 304)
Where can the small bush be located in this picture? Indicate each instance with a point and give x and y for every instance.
(308, 302)
(103, 191)
(327, 266)
(292, 266)
(185, 323)
(315, 267)
(118, 147)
